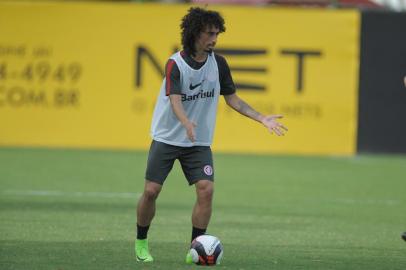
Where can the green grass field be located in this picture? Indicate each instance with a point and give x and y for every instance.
(71, 209)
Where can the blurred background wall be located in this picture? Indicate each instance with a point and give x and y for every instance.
(86, 74)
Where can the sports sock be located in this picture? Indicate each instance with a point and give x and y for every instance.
(142, 232)
(196, 232)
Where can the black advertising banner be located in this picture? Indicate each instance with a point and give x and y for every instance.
(382, 98)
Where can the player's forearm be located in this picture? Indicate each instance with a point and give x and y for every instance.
(178, 110)
(243, 108)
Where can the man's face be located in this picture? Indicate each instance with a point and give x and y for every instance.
(207, 39)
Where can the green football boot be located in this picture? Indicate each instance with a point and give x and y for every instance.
(189, 258)
(142, 251)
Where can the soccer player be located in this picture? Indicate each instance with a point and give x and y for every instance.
(184, 119)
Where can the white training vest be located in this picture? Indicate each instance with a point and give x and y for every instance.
(200, 90)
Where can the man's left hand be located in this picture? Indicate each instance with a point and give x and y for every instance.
(271, 123)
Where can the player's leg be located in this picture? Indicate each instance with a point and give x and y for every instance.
(145, 214)
(201, 211)
(197, 165)
(160, 162)
(146, 204)
(203, 206)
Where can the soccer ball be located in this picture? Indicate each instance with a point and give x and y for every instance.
(206, 250)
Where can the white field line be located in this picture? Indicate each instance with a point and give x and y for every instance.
(55, 193)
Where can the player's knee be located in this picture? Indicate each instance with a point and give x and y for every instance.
(151, 193)
(205, 191)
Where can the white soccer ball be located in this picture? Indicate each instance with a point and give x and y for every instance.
(206, 250)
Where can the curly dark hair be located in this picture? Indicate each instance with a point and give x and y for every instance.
(195, 22)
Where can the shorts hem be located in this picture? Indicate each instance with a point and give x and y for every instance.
(194, 181)
(155, 180)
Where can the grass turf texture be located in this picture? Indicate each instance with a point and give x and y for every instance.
(271, 212)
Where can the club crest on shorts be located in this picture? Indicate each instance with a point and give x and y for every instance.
(208, 170)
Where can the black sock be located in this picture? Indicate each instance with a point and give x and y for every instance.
(196, 232)
(142, 232)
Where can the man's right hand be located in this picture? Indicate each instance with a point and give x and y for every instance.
(181, 115)
(190, 130)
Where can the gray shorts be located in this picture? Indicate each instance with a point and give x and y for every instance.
(196, 162)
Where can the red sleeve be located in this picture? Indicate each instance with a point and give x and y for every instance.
(172, 76)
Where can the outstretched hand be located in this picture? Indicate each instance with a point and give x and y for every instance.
(271, 123)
